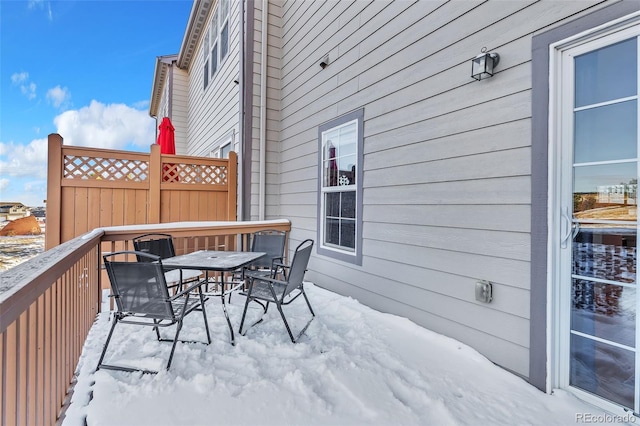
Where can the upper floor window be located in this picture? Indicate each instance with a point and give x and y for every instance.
(216, 41)
(340, 144)
(223, 146)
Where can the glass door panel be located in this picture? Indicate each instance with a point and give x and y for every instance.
(606, 74)
(606, 132)
(604, 177)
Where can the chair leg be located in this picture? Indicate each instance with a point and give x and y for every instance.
(244, 312)
(286, 324)
(104, 349)
(175, 342)
(204, 315)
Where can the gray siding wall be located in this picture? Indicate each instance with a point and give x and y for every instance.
(272, 102)
(447, 160)
(180, 108)
(214, 111)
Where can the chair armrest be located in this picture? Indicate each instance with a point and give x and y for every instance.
(266, 279)
(188, 289)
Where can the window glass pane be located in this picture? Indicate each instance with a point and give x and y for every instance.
(607, 252)
(332, 204)
(347, 233)
(339, 155)
(206, 74)
(607, 311)
(347, 170)
(214, 25)
(605, 192)
(224, 9)
(224, 41)
(214, 59)
(348, 204)
(606, 74)
(614, 369)
(332, 231)
(224, 151)
(606, 133)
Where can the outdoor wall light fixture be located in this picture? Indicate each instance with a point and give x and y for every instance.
(325, 62)
(482, 66)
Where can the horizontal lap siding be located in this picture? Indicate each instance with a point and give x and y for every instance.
(180, 110)
(447, 160)
(214, 111)
(272, 135)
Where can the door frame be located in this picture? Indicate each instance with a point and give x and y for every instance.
(557, 314)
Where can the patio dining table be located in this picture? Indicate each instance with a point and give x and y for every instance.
(215, 261)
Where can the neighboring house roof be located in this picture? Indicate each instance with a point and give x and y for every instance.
(159, 77)
(11, 204)
(197, 23)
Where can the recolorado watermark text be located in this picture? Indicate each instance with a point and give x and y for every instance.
(605, 418)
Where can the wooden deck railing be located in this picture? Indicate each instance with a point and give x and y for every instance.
(49, 303)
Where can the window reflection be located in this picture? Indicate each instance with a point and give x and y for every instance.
(606, 74)
(605, 192)
(606, 133)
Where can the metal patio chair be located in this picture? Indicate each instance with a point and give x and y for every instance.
(268, 289)
(142, 298)
(162, 245)
(272, 243)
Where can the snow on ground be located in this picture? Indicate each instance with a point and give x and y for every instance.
(355, 366)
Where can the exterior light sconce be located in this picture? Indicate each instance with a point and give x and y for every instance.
(482, 66)
(325, 62)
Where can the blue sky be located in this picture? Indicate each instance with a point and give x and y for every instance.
(83, 69)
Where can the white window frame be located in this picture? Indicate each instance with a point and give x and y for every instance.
(346, 254)
(223, 146)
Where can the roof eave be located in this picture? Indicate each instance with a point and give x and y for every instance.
(197, 20)
(159, 77)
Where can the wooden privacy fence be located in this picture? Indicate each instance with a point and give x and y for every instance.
(49, 303)
(89, 188)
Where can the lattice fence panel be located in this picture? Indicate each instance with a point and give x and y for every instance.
(111, 169)
(195, 174)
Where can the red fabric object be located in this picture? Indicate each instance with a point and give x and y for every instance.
(166, 138)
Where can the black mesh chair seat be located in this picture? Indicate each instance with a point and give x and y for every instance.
(142, 298)
(162, 245)
(281, 292)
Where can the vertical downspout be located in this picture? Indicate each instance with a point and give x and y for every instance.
(263, 109)
(247, 124)
(240, 183)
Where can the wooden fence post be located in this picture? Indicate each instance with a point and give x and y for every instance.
(232, 189)
(54, 191)
(155, 178)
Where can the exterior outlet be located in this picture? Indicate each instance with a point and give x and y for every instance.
(484, 291)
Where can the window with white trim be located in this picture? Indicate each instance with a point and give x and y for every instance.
(216, 41)
(223, 146)
(340, 144)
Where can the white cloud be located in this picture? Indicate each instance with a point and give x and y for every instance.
(22, 80)
(4, 184)
(24, 160)
(19, 77)
(59, 96)
(112, 126)
(42, 4)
